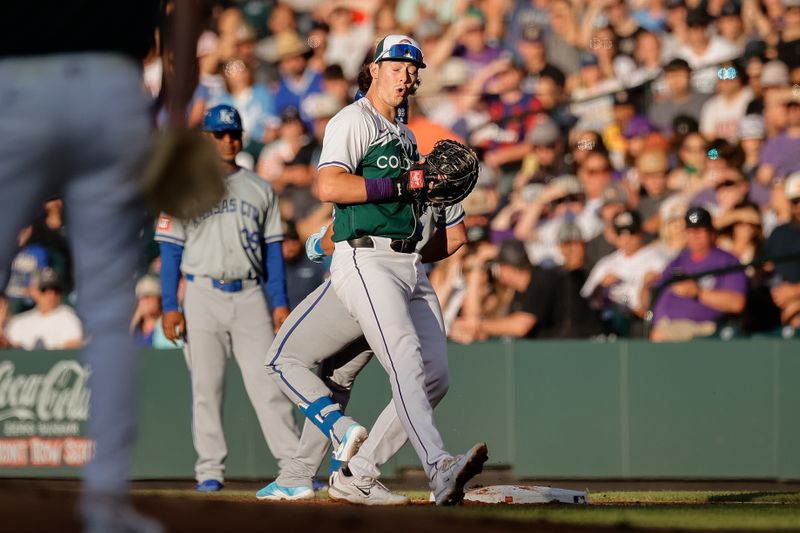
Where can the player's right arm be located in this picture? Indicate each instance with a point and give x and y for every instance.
(347, 137)
(170, 237)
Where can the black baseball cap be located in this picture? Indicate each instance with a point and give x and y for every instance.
(512, 252)
(730, 9)
(698, 217)
(628, 221)
(677, 64)
(698, 17)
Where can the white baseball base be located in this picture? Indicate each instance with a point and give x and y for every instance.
(528, 494)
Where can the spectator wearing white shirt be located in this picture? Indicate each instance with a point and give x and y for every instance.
(703, 50)
(50, 325)
(616, 282)
(722, 113)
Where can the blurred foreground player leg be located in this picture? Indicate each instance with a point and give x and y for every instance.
(76, 123)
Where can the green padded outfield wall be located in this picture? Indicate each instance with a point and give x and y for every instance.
(629, 409)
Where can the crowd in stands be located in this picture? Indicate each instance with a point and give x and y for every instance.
(635, 155)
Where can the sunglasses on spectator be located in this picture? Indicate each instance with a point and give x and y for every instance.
(598, 170)
(726, 183)
(568, 199)
(235, 135)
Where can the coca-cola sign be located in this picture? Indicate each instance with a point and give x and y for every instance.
(41, 416)
(59, 395)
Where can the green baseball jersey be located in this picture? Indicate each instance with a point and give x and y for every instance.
(363, 142)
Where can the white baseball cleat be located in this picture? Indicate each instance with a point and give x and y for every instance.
(362, 491)
(454, 473)
(353, 438)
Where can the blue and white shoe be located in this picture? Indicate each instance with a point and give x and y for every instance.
(351, 442)
(209, 485)
(275, 492)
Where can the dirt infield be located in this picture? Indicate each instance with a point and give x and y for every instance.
(40, 506)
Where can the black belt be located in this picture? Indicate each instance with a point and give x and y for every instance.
(403, 246)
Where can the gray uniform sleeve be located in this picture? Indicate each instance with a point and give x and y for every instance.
(347, 137)
(170, 230)
(273, 230)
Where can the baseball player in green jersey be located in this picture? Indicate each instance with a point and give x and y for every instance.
(366, 170)
(340, 352)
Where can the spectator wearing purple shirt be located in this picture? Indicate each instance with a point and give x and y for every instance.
(779, 157)
(692, 308)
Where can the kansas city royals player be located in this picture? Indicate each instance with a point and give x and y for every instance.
(376, 274)
(226, 256)
(342, 352)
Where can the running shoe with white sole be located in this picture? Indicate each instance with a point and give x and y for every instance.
(362, 491)
(276, 493)
(353, 438)
(455, 472)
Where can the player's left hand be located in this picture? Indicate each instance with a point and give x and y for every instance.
(279, 317)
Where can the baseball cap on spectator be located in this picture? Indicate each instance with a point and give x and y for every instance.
(428, 28)
(532, 33)
(751, 127)
(683, 125)
(623, 98)
(454, 72)
(588, 59)
(569, 232)
(638, 126)
(478, 202)
(652, 161)
(290, 230)
(698, 217)
(677, 64)
(791, 186)
(774, 74)
(207, 43)
(565, 185)
(289, 44)
(148, 285)
(672, 208)
(544, 132)
(756, 48)
(730, 9)
(614, 195)
(512, 252)
(628, 221)
(45, 279)
(290, 114)
(698, 17)
(320, 105)
(477, 233)
(245, 33)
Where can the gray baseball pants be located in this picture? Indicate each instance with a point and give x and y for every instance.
(217, 323)
(390, 297)
(78, 126)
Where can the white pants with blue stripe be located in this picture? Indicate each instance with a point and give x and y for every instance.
(389, 294)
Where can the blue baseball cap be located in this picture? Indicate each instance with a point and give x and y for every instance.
(222, 118)
(399, 48)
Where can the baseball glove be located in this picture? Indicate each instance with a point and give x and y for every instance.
(457, 166)
(184, 177)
